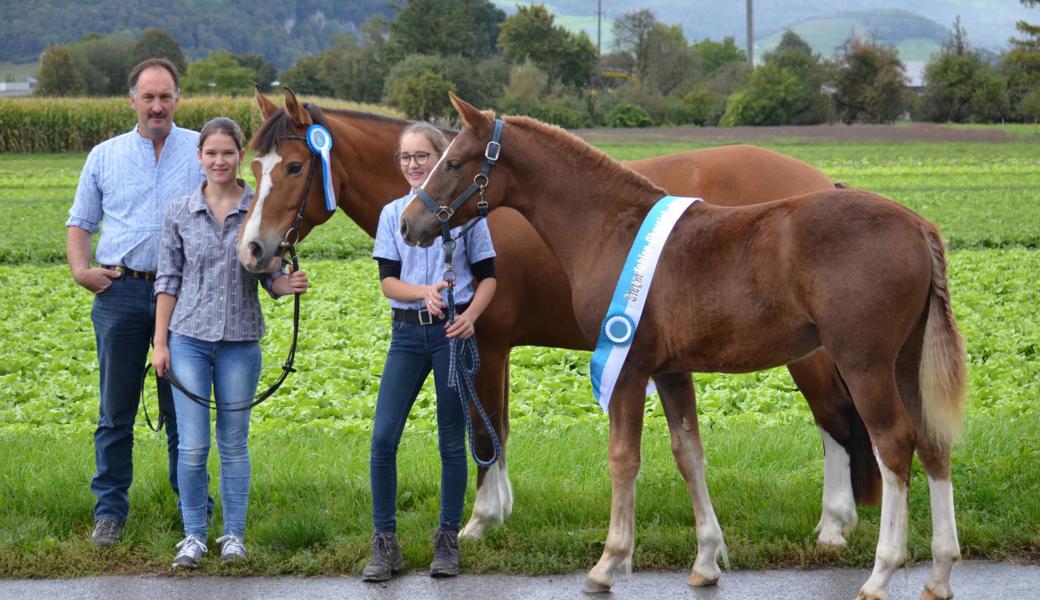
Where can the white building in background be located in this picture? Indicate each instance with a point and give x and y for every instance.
(16, 89)
(915, 74)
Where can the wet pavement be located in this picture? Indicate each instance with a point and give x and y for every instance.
(971, 581)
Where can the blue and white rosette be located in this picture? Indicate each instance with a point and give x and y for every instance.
(319, 140)
(626, 306)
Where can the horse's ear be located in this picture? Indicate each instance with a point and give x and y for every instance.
(267, 107)
(471, 116)
(300, 117)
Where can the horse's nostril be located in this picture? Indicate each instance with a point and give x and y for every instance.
(404, 230)
(255, 250)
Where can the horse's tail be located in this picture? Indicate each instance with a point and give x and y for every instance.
(942, 372)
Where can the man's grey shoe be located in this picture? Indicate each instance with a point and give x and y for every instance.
(386, 557)
(445, 554)
(189, 551)
(106, 532)
(231, 548)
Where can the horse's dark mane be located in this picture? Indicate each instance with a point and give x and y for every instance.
(577, 148)
(280, 125)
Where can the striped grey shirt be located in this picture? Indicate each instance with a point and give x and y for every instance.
(198, 264)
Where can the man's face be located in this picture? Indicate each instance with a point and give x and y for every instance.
(154, 99)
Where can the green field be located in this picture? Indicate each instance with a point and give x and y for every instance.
(309, 509)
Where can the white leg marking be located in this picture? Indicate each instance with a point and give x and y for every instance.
(709, 534)
(488, 509)
(617, 552)
(838, 515)
(252, 227)
(945, 548)
(891, 548)
(506, 489)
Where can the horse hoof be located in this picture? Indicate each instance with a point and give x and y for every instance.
(698, 580)
(868, 596)
(595, 587)
(928, 594)
(474, 530)
(832, 544)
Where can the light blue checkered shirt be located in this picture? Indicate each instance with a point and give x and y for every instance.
(425, 266)
(124, 192)
(198, 264)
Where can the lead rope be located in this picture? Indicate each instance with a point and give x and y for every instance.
(464, 359)
(287, 366)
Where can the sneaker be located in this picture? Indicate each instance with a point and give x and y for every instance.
(189, 551)
(445, 554)
(231, 548)
(386, 557)
(106, 532)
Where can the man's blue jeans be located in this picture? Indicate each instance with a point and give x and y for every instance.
(231, 370)
(124, 320)
(415, 350)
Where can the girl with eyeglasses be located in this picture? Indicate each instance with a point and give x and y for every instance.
(412, 279)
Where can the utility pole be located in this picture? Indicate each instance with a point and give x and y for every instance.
(599, 19)
(750, 39)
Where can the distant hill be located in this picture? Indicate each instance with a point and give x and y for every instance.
(283, 30)
(914, 36)
(989, 23)
(279, 30)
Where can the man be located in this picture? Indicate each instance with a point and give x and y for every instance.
(125, 187)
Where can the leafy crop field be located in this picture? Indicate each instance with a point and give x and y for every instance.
(758, 431)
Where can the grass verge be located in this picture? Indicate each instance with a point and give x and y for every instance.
(310, 504)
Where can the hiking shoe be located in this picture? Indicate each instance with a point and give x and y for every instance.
(106, 532)
(189, 551)
(386, 557)
(445, 554)
(231, 548)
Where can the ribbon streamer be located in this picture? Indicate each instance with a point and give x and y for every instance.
(319, 140)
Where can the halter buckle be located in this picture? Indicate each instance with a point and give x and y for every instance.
(444, 213)
(449, 274)
(492, 151)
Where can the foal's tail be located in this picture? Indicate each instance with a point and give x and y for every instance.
(942, 373)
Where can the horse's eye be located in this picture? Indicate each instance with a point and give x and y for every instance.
(454, 165)
(294, 168)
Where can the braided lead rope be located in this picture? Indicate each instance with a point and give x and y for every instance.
(461, 376)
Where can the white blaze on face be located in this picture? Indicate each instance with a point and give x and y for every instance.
(252, 227)
(436, 166)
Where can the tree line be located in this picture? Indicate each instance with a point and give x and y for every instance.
(528, 64)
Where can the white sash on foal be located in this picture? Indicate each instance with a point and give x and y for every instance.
(626, 307)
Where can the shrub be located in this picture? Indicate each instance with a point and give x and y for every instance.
(703, 107)
(625, 114)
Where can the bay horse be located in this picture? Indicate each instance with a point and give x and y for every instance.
(738, 290)
(532, 305)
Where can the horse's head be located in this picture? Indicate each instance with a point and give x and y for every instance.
(282, 169)
(458, 168)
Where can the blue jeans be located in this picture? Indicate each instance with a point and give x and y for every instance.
(415, 350)
(124, 320)
(231, 370)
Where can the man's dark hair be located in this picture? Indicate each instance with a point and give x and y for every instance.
(164, 63)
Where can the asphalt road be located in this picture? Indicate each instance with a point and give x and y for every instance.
(971, 581)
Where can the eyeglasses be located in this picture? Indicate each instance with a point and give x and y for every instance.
(420, 158)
